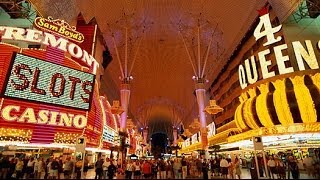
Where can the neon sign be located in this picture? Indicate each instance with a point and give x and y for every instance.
(35, 36)
(108, 134)
(37, 80)
(17, 113)
(59, 27)
(248, 73)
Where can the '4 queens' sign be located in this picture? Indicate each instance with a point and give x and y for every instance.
(305, 57)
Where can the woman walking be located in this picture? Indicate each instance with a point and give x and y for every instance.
(237, 168)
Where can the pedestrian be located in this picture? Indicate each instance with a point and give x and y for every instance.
(293, 168)
(146, 170)
(237, 167)
(281, 168)
(224, 168)
(78, 167)
(272, 166)
(177, 168)
(68, 168)
(54, 168)
(129, 170)
(18, 169)
(111, 170)
(99, 169)
(85, 167)
(162, 169)
(205, 169)
(137, 170)
(30, 168)
(184, 168)
(169, 169)
(105, 166)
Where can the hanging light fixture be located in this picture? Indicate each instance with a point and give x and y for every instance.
(213, 108)
(187, 133)
(116, 108)
(195, 124)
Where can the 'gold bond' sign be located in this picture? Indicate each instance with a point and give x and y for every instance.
(59, 27)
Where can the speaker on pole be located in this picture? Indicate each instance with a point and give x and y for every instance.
(107, 58)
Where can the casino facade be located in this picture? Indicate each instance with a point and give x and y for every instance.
(268, 89)
(50, 83)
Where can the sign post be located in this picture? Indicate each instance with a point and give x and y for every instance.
(258, 146)
(80, 151)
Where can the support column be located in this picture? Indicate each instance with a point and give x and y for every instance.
(201, 92)
(145, 135)
(175, 136)
(125, 97)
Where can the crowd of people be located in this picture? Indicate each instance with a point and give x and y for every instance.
(176, 168)
(32, 168)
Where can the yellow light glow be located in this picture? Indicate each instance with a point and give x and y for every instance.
(262, 107)
(66, 138)
(281, 103)
(247, 110)
(304, 99)
(238, 114)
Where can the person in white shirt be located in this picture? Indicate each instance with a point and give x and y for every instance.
(224, 167)
(272, 166)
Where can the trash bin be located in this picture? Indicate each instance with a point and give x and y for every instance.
(254, 174)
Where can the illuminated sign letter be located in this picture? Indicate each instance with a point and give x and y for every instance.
(17, 71)
(6, 112)
(75, 50)
(28, 115)
(43, 117)
(53, 118)
(242, 77)
(34, 83)
(267, 31)
(300, 52)
(14, 33)
(53, 85)
(252, 77)
(66, 119)
(34, 36)
(50, 39)
(264, 64)
(281, 59)
(80, 121)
